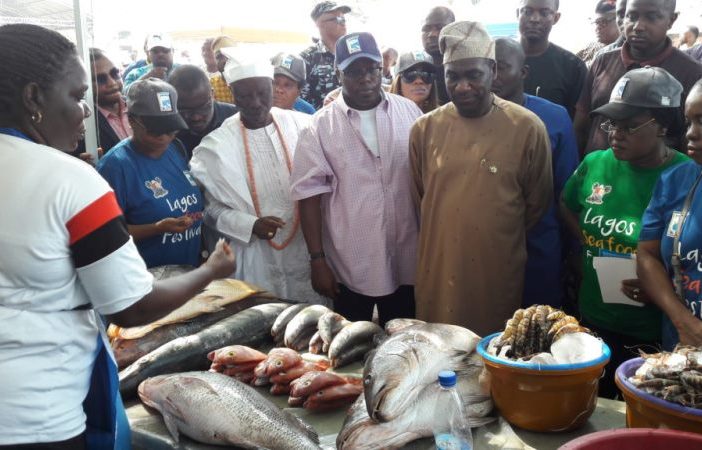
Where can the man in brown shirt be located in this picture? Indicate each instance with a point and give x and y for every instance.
(645, 25)
(481, 169)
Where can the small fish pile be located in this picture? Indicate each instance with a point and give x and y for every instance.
(296, 326)
(282, 367)
(237, 361)
(673, 376)
(400, 391)
(531, 331)
(216, 409)
(322, 391)
(320, 330)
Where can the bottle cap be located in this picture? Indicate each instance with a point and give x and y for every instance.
(447, 378)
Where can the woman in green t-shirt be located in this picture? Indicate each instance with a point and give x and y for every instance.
(603, 202)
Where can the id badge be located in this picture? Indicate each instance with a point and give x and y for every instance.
(674, 224)
(189, 177)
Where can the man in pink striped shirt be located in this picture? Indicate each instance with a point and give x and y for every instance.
(351, 176)
(110, 108)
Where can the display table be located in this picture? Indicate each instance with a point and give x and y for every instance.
(149, 431)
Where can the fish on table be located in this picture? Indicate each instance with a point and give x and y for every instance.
(215, 409)
(303, 326)
(400, 387)
(213, 298)
(281, 322)
(329, 325)
(127, 351)
(248, 327)
(353, 342)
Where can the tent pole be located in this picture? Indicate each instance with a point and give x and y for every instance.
(79, 11)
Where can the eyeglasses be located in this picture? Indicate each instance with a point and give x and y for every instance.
(198, 111)
(341, 20)
(102, 78)
(544, 13)
(357, 74)
(609, 126)
(409, 77)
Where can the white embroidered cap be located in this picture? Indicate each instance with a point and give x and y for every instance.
(242, 64)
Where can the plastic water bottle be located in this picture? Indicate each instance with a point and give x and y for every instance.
(455, 433)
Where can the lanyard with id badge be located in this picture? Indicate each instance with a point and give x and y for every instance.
(675, 261)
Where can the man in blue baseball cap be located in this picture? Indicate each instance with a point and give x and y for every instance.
(351, 178)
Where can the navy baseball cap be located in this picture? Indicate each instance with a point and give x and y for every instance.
(354, 46)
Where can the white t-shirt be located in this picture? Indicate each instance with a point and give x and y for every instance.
(63, 245)
(369, 130)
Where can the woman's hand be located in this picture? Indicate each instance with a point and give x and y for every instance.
(174, 224)
(634, 290)
(222, 261)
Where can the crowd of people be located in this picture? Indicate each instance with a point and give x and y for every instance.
(454, 183)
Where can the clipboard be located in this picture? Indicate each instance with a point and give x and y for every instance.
(611, 271)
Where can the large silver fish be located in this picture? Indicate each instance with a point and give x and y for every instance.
(216, 409)
(396, 373)
(360, 432)
(248, 327)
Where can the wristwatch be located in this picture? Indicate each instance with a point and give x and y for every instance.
(317, 255)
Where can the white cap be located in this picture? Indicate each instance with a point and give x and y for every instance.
(243, 64)
(158, 40)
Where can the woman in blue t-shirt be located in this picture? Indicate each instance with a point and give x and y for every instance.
(150, 176)
(674, 216)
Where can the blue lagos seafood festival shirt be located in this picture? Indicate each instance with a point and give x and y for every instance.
(660, 222)
(149, 190)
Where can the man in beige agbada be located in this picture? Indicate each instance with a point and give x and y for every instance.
(482, 176)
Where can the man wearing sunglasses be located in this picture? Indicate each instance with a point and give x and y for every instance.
(319, 58)
(197, 106)
(109, 106)
(351, 178)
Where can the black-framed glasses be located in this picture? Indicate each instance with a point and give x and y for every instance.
(544, 13)
(608, 126)
(102, 78)
(358, 73)
(411, 76)
(198, 111)
(340, 20)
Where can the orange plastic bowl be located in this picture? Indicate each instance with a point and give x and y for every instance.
(551, 398)
(647, 411)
